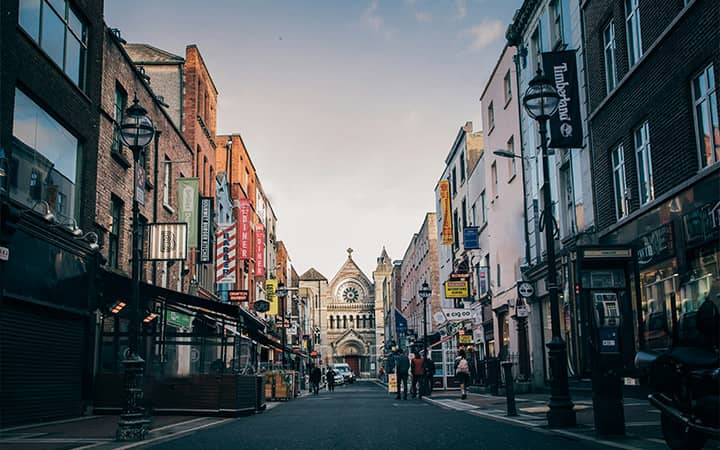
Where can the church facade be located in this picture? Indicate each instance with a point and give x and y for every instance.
(347, 314)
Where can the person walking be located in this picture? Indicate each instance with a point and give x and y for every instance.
(418, 374)
(429, 368)
(402, 366)
(330, 378)
(462, 373)
(315, 377)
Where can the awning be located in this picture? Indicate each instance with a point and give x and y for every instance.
(445, 339)
(118, 287)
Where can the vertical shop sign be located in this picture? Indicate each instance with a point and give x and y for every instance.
(259, 250)
(206, 220)
(447, 227)
(188, 207)
(244, 211)
(225, 248)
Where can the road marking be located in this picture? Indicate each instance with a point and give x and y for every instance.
(43, 424)
(658, 441)
(174, 435)
(197, 419)
(505, 419)
(594, 439)
(53, 440)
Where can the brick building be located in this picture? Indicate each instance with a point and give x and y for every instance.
(653, 74)
(49, 96)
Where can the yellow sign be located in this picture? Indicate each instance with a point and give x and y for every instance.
(456, 289)
(447, 226)
(466, 339)
(271, 295)
(392, 383)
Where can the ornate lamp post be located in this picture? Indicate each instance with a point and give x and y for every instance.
(136, 131)
(282, 293)
(425, 293)
(541, 102)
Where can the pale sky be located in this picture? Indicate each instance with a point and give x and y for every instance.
(348, 108)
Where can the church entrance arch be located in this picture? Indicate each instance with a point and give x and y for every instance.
(353, 354)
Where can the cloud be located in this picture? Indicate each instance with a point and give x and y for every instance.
(373, 20)
(423, 16)
(460, 8)
(485, 33)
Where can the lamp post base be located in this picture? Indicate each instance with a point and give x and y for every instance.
(561, 413)
(133, 425)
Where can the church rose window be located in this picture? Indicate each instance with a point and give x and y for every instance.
(351, 295)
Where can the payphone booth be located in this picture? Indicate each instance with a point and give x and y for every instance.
(606, 320)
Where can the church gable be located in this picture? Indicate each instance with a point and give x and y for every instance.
(350, 284)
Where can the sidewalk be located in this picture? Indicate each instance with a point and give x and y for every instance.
(642, 422)
(97, 432)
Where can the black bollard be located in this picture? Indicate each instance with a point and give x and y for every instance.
(509, 388)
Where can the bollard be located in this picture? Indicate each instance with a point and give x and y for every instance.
(509, 388)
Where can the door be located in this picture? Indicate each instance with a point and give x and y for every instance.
(354, 363)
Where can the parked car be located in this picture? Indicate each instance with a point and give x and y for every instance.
(345, 371)
(339, 379)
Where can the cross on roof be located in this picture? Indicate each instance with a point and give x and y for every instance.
(349, 252)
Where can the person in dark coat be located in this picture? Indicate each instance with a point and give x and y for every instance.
(402, 366)
(330, 379)
(429, 366)
(315, 376)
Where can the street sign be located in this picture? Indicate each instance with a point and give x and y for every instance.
(457, 314)
(526, 289)
(4, 253)
(238, 296)
(439, 317)
(471, 238)
(521, 310)
(261, 305)
(456, 289)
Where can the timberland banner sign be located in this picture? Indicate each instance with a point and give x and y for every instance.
(566, 124)
(447, 230)
(188, 207)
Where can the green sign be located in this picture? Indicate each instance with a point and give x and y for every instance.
(178, 319)
(188, 207)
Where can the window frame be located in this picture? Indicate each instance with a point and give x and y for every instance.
(116, 206)
(619, 175)
(555, 22)
(118, 114)
(507, 84)
(512, 163)
(462, 167)
(167, 182)
(633, 32)
(610, 46)
(645, 169)
(709, 102)
(494, 178)
(483, 206)
(491, 116)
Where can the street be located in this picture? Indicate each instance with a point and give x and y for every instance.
(364, 416)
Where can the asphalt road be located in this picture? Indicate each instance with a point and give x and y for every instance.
(364, 416)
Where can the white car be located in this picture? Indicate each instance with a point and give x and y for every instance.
(345, 371)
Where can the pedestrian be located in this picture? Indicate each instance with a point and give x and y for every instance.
(418, 374)
(462, 373)
(429, 366)
(402, 366)
(315, 377)
(330, 378)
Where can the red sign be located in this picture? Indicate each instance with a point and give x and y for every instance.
(459, 276)
(238, 296)
(259, 250)
(244, 229)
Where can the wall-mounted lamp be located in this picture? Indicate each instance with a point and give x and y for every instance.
(46, 213)
(91, 238)
(70, 226)
(117, 306)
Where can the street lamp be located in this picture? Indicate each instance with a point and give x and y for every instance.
(282, 294)
(541, 101)
(425, 293)
(136, 132)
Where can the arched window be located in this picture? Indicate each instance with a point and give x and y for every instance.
(364, 321)
(352, 321)
(357, 321)
(344, 321)
(331, 322)
(337, 321)
(372, 322)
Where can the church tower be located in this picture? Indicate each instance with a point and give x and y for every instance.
(382, 277)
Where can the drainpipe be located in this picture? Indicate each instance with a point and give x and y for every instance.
(155, 196)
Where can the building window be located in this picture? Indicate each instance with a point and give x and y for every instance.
(568, 200)
(512, 162)
(473, 214)
(166, 182)
(114, 235)
(59, 31)
(462, 167)
(464, 213)
(498, 282)
(456, 233)
(491, 116)
(706, 116)
(609, 45)
(120, 106)
(644, 163)
(483, 211)
(619, 184)
(332, 322)
(632, 26)
(494, 177)
(507, 83)
(47, 156)
(453, 182)
(556, 33)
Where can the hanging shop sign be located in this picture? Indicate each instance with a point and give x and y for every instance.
(260, 250)
(655, 246)
(225, 253)
(271, 295)
(140, 184)
(206, 221)
(178, 319)
(244, 211)
(566, 124)
(447, 227)
(525, 289)
(471, 238)
(465, 336)
(238, 296)
(456, 289)
(167, 241)
(457, 314)
(188, 207)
